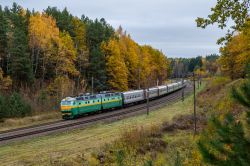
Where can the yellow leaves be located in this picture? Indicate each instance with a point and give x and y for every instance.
(80, 34)
(116, 68)
(200, 72)
(196, 159)
(66, 56)
(42, 31)
(235, 56)
(57, 47)
(157, 65)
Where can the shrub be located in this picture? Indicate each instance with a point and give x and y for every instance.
(13, 106)
(17, 106)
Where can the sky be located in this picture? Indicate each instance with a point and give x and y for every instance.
(168, 25)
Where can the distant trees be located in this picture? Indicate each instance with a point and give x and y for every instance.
(207, 65)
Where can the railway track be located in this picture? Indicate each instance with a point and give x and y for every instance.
(27, 132)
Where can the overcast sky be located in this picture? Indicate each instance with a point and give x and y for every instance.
(168, 25)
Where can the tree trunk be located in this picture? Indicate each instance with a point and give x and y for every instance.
(37, 59)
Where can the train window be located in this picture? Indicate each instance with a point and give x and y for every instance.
(85, 102)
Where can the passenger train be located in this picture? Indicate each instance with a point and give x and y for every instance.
(72, 107)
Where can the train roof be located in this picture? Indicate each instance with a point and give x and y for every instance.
(162, 86)
(132, 91)
(69, 99)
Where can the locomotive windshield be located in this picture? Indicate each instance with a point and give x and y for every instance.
(66, 102)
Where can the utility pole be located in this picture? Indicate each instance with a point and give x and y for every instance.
(194, 105)
(139, 81)
(147, 93)
(200, 80)
(182, 89)
(92, 85)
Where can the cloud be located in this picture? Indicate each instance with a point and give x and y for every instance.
(168, 25)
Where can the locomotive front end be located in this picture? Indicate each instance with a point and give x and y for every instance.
(67, 105)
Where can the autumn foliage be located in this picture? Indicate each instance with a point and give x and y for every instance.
(235, 54)
(52, 54)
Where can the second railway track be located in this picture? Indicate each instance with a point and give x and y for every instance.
(44, 129)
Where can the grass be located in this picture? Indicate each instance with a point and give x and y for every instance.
(70, 148)
(14, 123)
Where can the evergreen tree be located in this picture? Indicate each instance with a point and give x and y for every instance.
(97, 69)
(3, 39)
(63, 19)
(20, 67)
(224, 143)
(98, 31)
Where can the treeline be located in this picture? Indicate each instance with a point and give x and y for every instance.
(184, 67)
(48, 55)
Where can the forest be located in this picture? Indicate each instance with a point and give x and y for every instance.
(45, 56)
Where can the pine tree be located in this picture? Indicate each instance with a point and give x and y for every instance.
(224, 143)
(97, 32)
(3, 39)
(20, 67)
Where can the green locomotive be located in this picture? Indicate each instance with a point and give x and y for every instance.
(84, 104)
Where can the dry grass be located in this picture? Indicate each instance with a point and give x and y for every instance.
(13, 123)
(217, 96)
